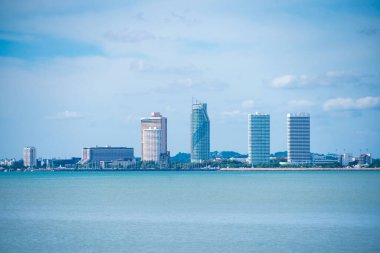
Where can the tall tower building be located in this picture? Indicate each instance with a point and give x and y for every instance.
(152, 144)
(30, 157)
(258, 138)
(299, 138)
(200, 133)
(156, 120)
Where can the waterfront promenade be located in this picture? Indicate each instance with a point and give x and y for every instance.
(196, 169)
(300, 169)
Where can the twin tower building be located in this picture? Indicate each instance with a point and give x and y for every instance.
(154, 137)
(298, 135)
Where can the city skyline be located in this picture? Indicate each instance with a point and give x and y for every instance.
(153, 130)
(64, 89)
(258, 133)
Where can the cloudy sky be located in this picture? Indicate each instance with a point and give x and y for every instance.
(81, 73)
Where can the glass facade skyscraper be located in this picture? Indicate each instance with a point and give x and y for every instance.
(200, 133)
(299, 138)
(258, 138)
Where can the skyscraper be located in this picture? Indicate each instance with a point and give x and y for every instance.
(299, 138)
(258, 138)
(30, 157)
(152, 144)
(156, 120)
(200, 133)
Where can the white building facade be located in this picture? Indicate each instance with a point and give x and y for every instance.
(298, 134)
(156, 120)
(30, 157)
(346, 159)
(152, 137)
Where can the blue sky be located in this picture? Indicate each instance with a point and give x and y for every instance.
(83, 73)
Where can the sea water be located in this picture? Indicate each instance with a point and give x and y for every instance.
(190, 212)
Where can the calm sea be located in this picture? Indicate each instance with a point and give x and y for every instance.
(190, 212)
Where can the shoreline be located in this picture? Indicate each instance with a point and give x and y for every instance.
(300, 169)
(199, 169)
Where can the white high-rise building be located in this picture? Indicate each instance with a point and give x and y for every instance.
(152, 137)
(156, 120)
(258, 138)
(299, 138)
(346, 158)
(30, 157)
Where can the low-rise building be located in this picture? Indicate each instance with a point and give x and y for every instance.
(346, 158)
(67, 163)
(365, 159)
(95, 155)
(321, 159)
(7, 162)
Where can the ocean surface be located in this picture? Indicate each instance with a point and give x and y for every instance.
(190, 212)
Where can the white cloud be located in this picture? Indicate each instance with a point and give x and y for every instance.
(351, 104)
(232, 113)
(190, 84)
(186, 83)
(139, 65)
(283, 81)
(331, 78)
(67, 115)
(247, 104)
(368, 102)
(132, 118)
(300, 103)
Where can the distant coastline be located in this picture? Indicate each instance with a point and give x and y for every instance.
(300, 169)
(194, 169)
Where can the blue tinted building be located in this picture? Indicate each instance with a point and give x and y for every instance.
(258, 138)
(299, 138)
(200, 133)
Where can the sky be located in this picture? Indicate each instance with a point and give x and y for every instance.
(79, 73)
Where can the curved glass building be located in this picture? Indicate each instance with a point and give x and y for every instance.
(200, 133)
